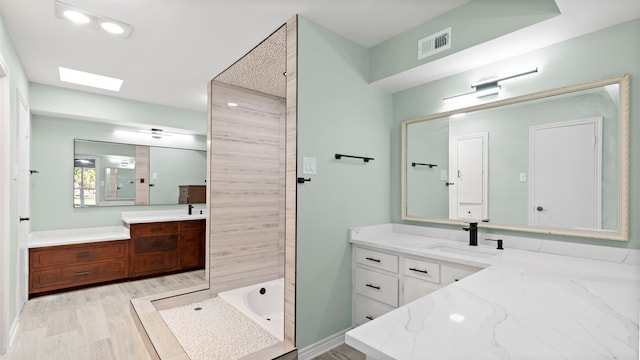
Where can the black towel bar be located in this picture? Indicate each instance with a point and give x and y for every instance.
(414, 164)
(364, 158)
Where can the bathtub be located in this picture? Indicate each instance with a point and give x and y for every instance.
(262, 303)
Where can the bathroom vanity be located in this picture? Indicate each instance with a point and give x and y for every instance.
(536, 299)
(385, 279)
(170, 246)
(150, 243)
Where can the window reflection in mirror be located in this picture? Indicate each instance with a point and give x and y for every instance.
(554, 161)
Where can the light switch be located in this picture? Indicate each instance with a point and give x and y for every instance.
(309, 166)
(523, 177)
(154, 176)
(444, 175)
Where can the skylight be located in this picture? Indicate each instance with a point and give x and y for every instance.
(89, 79)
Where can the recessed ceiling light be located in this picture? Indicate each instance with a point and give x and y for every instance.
(92, 20)
(89, 79)
(76, 16)
(232, 104)
(112, 27)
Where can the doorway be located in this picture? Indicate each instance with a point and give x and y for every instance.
(468, 187)
(565, 167)
(22, 186)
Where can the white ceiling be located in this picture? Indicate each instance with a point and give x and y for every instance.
(178, 46)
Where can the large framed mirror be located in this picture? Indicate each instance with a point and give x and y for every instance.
(118, 174)
(553, 162)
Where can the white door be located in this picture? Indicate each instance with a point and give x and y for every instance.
(24, 127)
(565, 189)
(468, 192)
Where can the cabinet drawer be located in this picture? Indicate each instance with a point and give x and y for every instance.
(366, 309)
(68, 276)
(413, 289)
(450, 274)
(154, 228)
(377, 259)
(80, 254)
(148, 244)
(154, 263)
(421, 269)
(192, 225)
(380, 287)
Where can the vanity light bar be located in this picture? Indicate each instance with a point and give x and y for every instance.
(487, 87)
(478, 93)
(497, 80)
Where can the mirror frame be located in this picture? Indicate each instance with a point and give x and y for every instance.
(623, 157)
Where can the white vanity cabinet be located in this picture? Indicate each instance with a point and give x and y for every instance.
(375, 284)
(384, 280)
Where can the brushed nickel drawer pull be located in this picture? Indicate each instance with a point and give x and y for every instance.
(419, 270)
(81, 255)
(373, 286)
(83, 273)
(372, 259)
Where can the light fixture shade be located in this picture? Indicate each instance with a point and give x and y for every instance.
(478, 93)
(112, 27)
(76, 16)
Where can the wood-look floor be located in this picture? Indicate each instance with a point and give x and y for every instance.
(93, 323)
(97, 324)
(342, 352)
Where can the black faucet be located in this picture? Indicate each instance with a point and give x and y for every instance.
(473, 233)
(190, 209)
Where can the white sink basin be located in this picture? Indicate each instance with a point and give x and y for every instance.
(466, 251)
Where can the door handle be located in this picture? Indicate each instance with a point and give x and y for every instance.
(23, 219)
(539, 208)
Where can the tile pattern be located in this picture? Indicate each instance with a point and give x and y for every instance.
(216, 331)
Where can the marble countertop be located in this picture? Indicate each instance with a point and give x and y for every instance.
(135, 217)
(76, 236)
(522, 305)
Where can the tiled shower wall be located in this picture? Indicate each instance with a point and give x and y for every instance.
(247, 165)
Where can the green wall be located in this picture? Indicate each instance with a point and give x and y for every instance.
(73, 104)
(571, 62)
(338, 112)
(471, 24)
(18, 84)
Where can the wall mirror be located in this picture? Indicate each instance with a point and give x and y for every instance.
(117, 174)
(553, 162)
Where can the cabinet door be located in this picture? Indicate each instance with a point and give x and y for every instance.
(191, 249)
(413, 289)
(451, 274)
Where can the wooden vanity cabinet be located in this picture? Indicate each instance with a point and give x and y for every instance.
(65, 266)
(191, 244)
(164, 247)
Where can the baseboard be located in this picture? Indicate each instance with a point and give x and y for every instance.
(322, 346)
(13, 332)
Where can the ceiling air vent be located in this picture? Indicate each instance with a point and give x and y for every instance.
(434, 44)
